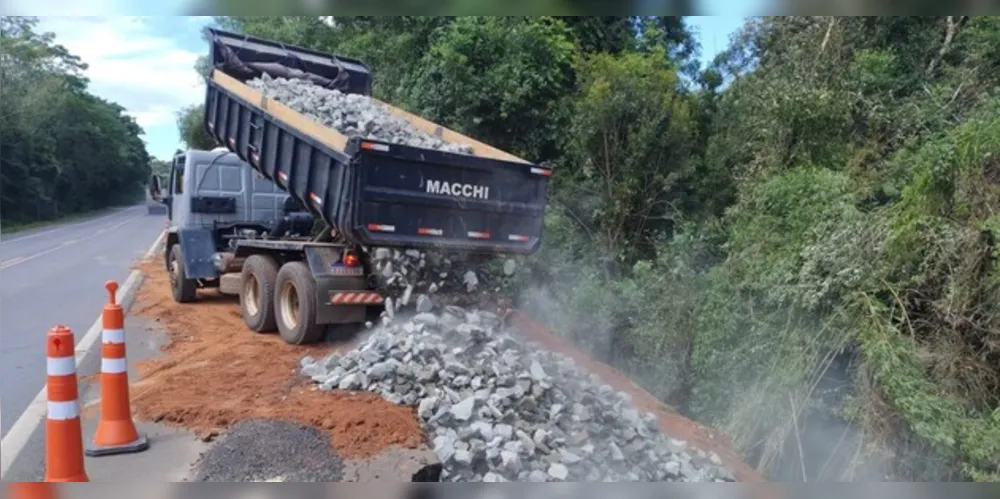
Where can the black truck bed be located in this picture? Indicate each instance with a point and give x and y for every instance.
(374, 193)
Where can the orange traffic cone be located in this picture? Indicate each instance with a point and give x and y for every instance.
(116, 433)
(63, 434)
(32, 490)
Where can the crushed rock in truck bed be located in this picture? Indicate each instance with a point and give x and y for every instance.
(350, 114)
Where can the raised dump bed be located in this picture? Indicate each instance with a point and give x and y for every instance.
(370, 192)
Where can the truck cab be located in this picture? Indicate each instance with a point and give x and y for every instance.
(215, 190)
(213, 198)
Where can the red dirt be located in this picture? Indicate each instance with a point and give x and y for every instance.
(671, 423)
(215, 373)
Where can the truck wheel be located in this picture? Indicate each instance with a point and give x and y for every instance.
(295, 305)
(184, 290)
(257, 280)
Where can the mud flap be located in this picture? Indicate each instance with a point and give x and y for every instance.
(331, 279)
(198, 246)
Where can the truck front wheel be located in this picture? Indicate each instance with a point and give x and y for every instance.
(184, 290)
(257, 281)
(295, 305)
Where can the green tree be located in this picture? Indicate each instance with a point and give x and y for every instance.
(62, 150)
(495, 77)
(608, 34)
(630, 142)
(191, 125)
(848, 141)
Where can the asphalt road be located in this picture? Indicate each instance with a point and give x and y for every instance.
(56, 275)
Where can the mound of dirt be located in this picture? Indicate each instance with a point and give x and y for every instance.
(216, 373)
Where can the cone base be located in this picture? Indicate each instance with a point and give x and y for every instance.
(73, 479)
(31, 490)
(139, 445)
(115, 432)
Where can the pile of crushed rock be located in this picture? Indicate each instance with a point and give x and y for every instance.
(499, 409)
(351, 114)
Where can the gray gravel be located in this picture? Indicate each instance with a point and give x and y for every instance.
(350, 114)
(498, 409)
(264, 450)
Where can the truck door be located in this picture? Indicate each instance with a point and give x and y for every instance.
(265, 199)
(218, 191)
(175, 185)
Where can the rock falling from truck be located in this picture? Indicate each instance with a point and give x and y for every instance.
(415, 281)
(350, 114)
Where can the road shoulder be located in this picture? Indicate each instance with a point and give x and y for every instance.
(31, 419)
(172, 451)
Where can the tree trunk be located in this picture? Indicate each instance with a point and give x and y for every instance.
(826, 37)
(954, 23)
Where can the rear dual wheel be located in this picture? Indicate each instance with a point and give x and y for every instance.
(257, 293)
(295, 305)
(280, 299)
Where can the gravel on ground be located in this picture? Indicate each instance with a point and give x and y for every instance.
(498, 409)
(419, 282)
(270, 451)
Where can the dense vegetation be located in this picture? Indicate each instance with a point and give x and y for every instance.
(62, 150)
(797, 244)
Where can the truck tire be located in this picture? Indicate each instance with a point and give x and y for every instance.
(184, 290)
(295, 305)
(257, 281)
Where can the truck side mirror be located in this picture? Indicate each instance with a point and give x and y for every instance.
(154, 185)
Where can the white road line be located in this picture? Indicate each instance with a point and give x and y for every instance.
(4, 240)
(19, 260)
(10, 263)
(15, 440)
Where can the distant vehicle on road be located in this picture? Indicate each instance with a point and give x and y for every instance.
(288, 234)
(154, 198)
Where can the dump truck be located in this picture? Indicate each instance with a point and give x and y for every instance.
(360, 193)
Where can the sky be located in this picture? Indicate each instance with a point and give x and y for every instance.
(146, 64)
